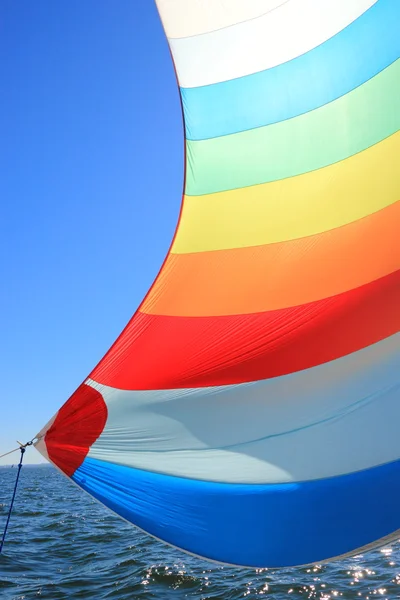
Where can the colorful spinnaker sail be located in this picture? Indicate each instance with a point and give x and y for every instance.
(249, 412)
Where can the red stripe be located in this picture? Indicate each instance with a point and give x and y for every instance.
(77, 426)
(163, 352)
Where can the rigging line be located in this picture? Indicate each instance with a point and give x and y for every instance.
(11, 451)
(22, 448)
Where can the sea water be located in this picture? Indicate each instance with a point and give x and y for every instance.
(61, 544)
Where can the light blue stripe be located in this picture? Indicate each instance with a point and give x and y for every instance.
(347, 60)
(253, 525)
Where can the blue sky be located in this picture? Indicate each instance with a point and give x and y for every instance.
(92, 170)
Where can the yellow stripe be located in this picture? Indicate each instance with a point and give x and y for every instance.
(295, 207)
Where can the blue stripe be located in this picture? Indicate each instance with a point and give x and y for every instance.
(347, 60)
(252, 525)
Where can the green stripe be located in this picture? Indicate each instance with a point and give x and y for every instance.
(311, 141)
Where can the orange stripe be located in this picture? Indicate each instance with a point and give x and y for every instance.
(275, 276)
(159, 352)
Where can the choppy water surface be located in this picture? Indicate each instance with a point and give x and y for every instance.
(62, 544)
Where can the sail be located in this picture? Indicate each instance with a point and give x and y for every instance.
(249, 411)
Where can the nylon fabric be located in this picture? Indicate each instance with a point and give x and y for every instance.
(333, 69)
(312, 141)
(202, 351)
(293, 208)
(278, 525)
(278, 275)
(254, 394)
(327, 411)
(183, 19)
(271, 39)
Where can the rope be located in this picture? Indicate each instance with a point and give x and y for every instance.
(22, 449)
(11, 451)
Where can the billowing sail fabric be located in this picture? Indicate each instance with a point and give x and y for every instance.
(249, 412)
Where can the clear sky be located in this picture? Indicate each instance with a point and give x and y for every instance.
(91, 179)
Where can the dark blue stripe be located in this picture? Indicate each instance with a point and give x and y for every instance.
(347, 60)
(253, 525)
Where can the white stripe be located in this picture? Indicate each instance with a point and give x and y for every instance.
(336, 418)
(40, 445)
(259, 44)
(182, 18)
